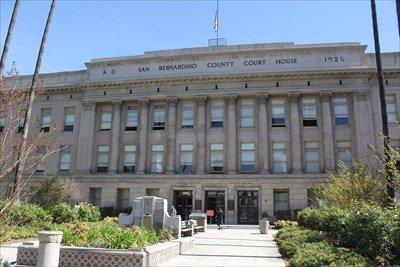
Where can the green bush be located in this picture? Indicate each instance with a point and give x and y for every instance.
(26, 214)
(88, 212)
(279, 224)
(63, 213)
(50, 193)
(313, 255)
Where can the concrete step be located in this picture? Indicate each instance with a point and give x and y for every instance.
(234, 226)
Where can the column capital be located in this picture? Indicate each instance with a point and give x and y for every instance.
(262, 97)
(172, 100)
(231, 99)
(116, 103)
(143, 102)
(361, 95)
(201, 100)
(294, 96)
(326, 96)
(89, 106)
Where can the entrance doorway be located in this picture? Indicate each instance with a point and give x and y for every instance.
(214, 201)
(183, 202)
(247, 207)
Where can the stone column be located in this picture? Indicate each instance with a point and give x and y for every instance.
(115, 133)
(263, 133)
(329, 148)
(171, 132)
(231, 133)
(201, 135)
(86, 136)
(295, 137)
(144, 112)
(49, 248)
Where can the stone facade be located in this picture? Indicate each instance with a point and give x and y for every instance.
(279, 115)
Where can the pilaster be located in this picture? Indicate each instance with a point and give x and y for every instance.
(143, 125)
(86, 137)
(201, 135)
(327, 129)
(295, 137)
(171, 132)
(263, 132)
(231, 133)
(115, 135)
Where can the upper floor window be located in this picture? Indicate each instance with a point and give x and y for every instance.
(2, 123)
(21, 124)
(129, 158)
(186, 158)
(157, 158)
(41, 152)
(187, 115)
(279, 157)
(309, 113)
(312, 157)
(278, 113)
(217, 114)
(131, 119)
(102, 158)
(246, 114)
(248, 161)
(69, 119)
(65, 159)
(105, 124)
(391, 109)
(217, 158)
(341, 110)
(159, 118)
(344, 153)
(46, 120)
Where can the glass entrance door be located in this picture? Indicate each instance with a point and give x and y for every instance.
(247, 207)
(183, 202)
(214, 201)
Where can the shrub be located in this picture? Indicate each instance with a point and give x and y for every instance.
(279, 224)
(63, 213)
(313, 254)
(24, 214)
(88, 212)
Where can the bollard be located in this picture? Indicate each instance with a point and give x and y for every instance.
(49, 248)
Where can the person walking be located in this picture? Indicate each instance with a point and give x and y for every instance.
(172, 211)
(219, 218)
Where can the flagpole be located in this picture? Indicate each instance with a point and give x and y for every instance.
(217, 20)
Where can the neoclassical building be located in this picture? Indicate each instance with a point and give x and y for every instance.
(248, 128)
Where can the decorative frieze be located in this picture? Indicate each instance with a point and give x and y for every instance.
(89, 106)
(361, 95)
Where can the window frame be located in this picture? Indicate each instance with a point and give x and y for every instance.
(154, 163)
(44, 124)
(276, 120)
(217, 121)
(347, 150)
(338, 115)
(132, 167)
(104, 128)
(252, 163)
(69, 111)
(188, 107)
(216, 148)
(186, 168)
(281, 191)
(275, 162)
(103, 168)
(93, 198)
(309, 120)
(159, 125)
(391, 102)
(309, 149)
(247, 104)
(131, 110)
(62, 151)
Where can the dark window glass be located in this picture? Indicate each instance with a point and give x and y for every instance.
(217, 124)
(130, 169)
(216, 169)
(159, 126)
(187, 126)
(133, 128)
(307, 123)
(68, 128)
(248, 168)
(102, 169)
(186, 169)
(45, 129)
(278, 122)
(342, 120)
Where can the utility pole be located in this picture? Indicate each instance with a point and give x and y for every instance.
(382, 97)
(20, 168)
(398, 15)
(8, 37)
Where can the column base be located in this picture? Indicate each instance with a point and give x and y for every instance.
(170, 172)
(140, 173)
(200, 172)
(265, 172)
(231, 172)
(297, 171)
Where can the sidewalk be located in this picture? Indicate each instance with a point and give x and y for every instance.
(230, 247)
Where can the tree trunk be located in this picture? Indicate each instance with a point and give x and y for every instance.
(8, 37)
(382, 97)
(21, 156)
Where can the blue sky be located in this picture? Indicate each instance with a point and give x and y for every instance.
(84, 30)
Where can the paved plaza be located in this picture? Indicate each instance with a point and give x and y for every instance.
(231, 247)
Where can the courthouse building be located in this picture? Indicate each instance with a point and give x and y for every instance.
(248, 128)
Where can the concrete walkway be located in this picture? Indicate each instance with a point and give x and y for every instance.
(230, 247)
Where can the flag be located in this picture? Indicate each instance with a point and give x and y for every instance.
(216, 21)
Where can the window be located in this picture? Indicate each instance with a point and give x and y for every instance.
(21, 124)
(105, 121)
(69, 119)
(312, 157)
(187, 115)
(309, 112)
(123, 198)
(391, 109)
(41, 151)
(395, 144)
(186, 158)
(46, 120)
(217, 114)
(2, 123)
(65, 159)
(217, 158)
(246, 114)
(278, 113)
(281, 200)
(344, 150)
(341, 110)
(159, 118)
(248, 163)
(312, 200)
(95, 196)
(279, 157)
(131, 119)
(102, 160)
(157, 159)
(155, 192)
(129, 158)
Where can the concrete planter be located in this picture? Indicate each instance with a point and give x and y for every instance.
(264, 225)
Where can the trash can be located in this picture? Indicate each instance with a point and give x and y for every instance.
(264, 225)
